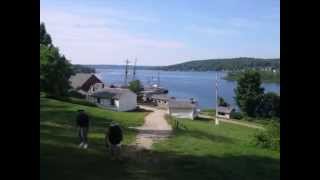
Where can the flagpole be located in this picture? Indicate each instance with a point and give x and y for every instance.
(216, 119)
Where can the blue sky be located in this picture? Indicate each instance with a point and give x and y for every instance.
(162, 32)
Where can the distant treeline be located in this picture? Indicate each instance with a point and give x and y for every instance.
(266, 76)
(105, 66)
(231, 64)
(82, 69)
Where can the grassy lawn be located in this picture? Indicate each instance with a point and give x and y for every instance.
(219, 152)
(202, 151)
(208, 112)
(253, 121)
(60, 157)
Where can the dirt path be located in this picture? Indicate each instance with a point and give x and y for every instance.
(234, 122)
(155, 128)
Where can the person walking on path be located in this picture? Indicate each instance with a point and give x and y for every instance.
(83, 124)
(113, 140)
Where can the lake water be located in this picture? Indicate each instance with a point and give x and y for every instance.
(199, 85)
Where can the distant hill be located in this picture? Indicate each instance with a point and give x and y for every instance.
(106, 66)
(230, 64)
(82, 69)
(224, 64)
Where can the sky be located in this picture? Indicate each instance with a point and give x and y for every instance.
(162, 32)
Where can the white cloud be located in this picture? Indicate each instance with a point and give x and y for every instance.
(89, 39)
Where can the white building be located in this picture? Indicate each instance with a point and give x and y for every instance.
(183, 109)
(117, 99)
(224, 112)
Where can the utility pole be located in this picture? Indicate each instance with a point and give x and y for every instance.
(126, 74)
(216, 119)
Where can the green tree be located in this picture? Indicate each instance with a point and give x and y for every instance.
(248, 92)
(45, 38)
(269, 105)
(222, 102)
(55, 69)
(135, 86)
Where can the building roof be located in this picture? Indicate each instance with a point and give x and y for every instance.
(225, 109)
(108, 92)
(178, 104)
(79, 79)
(161, 97)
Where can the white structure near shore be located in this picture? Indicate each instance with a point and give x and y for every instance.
(183, 109)
(224, 112)
(117, 99)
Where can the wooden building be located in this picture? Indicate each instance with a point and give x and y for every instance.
(183, 109)
(224, 112)
(82, 82)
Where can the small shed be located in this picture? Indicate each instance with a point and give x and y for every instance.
(82, 82)
(117, 99)
(183, 109)
(224, 112)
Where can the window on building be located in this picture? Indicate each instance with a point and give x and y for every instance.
(98, 100)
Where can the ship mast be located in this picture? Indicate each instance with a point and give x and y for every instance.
(134, 69)
(126, 74)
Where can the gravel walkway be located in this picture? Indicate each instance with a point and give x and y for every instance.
(155, 128)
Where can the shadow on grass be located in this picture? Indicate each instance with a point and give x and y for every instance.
(204, 119)
(72, 163)
(139, 110)
(203, 135)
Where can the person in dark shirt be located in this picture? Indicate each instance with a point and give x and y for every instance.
(83, 124)
(113, 140)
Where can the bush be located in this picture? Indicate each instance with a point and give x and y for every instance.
(269, 106)
(73, 100)
(76, 94)
(270, 138)
(236, 115)
(80, 102)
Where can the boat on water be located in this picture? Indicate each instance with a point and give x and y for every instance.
(156, 89)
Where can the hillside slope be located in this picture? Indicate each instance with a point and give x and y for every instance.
(224, 64)
(202, 151)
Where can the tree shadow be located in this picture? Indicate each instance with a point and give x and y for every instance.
(203, 135)
(204, 119)
(172, 165)
(72, 163)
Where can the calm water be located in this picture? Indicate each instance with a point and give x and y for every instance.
(199, 85)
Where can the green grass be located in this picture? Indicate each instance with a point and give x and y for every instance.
(60, 157)
(208, 112)
(218, 152)
(202, 151)
(254, 121)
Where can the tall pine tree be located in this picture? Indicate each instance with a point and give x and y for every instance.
(55, 69)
